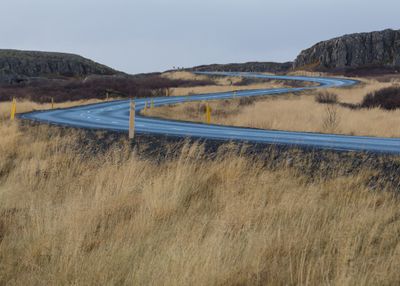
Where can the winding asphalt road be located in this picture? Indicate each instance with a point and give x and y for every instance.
(114, 116)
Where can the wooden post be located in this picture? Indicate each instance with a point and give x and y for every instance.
(132, 120)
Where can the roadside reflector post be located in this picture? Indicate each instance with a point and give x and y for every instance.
(132, 120)
(52, 103)
(152, 103)
(13, 109)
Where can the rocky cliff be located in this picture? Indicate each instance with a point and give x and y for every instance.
(16, 66)
(364, 50)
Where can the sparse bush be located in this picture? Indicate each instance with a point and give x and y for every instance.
(331, 120)
(387, 98)
(243, 101)
(326, 98)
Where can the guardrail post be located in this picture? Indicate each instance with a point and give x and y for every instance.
(132, 120)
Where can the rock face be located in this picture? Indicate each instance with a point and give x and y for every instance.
(16, 66)
(364, 50)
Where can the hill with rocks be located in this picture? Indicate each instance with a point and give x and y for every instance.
(373, 51)
(19, 66)
(247, 67)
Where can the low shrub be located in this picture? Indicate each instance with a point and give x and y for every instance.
(387, 98)
(243, 101)
(95, 87)
(326, 98)
(331, 119)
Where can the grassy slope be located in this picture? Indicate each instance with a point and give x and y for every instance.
(295, 113)
(70, 216)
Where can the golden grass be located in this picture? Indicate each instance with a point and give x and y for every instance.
(71, 217)
(296, 113)
(27, 106)
(184, 75)
(222, 84)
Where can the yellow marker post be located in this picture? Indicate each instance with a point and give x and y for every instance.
(132, 120)
(145, 106)
(52, 103)
(13, 109)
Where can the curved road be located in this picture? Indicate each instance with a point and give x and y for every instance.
(114, 116)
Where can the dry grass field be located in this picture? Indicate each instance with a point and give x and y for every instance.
(222, 84)
(27, 106)
(72, 213)
(71, 216)
(296, 113)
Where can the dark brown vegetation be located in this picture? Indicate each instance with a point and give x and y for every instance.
(326, 97)
(95, 87)
(247, 67)
(387, 98)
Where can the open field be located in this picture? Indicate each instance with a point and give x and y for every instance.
(78, 208)
(296, 113)
(221, 84)
(72, 215)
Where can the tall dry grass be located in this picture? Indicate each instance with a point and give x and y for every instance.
(71, 216)
(296, 113)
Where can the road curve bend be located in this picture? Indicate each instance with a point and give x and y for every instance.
(114, 116)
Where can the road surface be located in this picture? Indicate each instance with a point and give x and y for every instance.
(114, 116)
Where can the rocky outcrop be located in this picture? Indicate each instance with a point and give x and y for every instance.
(376, 49)
(16, 66)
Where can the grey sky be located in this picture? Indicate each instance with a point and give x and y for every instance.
(154, 35)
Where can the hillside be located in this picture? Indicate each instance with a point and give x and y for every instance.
(17, 66)
(368, 51)
(247, 67)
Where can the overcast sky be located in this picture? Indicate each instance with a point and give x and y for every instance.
(154, 35)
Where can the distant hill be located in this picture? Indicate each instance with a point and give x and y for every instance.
(17, 66)
(247, 67)
(363, 51)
